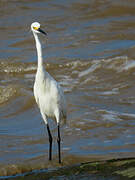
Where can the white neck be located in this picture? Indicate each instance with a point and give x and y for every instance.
(39, 50)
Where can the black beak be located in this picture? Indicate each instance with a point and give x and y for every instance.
(40, 30)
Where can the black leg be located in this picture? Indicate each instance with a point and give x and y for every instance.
(50, 142)
(59, 140)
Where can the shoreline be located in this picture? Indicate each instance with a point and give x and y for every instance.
(107, 169)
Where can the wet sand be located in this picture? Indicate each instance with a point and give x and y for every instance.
(115, 169)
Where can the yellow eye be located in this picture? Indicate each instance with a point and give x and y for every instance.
(36, 28)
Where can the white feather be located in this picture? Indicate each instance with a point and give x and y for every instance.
(48, 93)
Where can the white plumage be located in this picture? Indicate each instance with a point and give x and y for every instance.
(48, 94)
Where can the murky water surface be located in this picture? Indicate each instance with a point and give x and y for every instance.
(90, 50)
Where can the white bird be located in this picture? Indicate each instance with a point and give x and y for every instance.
(48, 93)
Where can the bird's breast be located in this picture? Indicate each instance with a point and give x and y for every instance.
(45, 99)
(49, 96)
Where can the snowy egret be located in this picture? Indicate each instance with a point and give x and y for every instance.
(48, 93)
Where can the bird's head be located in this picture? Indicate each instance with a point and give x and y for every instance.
(35, 27)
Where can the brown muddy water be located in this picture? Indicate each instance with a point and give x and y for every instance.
(90, 50)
